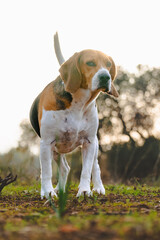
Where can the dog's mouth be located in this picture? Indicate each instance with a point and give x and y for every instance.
(104, 83)
(108, 92)
(105, 89)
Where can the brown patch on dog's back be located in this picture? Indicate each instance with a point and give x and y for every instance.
(63, 98)
(54, 97)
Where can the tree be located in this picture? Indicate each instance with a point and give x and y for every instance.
(28, 138)
(129, 125)
(132, 116)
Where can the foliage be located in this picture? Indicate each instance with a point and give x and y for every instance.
(132, 116)
(28, 138)
(128, 161)
(132, 147)
(21, 162)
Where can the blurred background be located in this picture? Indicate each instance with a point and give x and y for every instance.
(129, 127)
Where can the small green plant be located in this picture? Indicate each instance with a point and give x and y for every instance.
(62, 195)
(62, 201)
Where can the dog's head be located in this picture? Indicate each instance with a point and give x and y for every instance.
(89, 69)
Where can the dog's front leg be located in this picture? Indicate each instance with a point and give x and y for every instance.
(46, 170)
(96, 174)
(88, 152)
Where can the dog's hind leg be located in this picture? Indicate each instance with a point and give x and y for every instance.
(63, 171)
(96, 174)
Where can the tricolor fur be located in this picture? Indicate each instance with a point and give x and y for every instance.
(65, 116)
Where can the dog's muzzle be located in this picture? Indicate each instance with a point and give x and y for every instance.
(104, 82)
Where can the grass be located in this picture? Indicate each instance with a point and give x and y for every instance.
(125, 212)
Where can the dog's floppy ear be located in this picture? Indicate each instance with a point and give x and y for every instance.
(70, 74)
(113, 73)
(113, 70)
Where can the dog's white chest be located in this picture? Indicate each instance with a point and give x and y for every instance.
(64, 130)
(67, 129)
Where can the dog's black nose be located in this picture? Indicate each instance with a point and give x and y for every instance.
(103, 79)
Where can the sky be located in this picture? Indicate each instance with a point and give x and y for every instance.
(127, 30)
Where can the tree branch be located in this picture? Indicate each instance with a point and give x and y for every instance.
(7, 180)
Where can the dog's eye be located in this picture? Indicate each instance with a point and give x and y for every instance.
(108, 64)
(91, 64)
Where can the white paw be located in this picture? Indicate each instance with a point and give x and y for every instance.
(84, 192)
(48, 192)
(99, 189)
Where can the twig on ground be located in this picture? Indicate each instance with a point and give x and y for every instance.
(7, 180)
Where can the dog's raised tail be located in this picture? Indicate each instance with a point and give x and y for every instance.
(57, 49)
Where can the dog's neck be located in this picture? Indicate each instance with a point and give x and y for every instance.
(93, 98)
(80, 98)
(83, 98)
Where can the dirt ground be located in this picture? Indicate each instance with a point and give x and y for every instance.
(125, 212)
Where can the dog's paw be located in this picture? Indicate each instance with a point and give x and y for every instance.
(47, 193)
(84, 192)
(99, 190)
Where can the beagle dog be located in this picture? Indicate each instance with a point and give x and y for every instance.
(64, 115)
